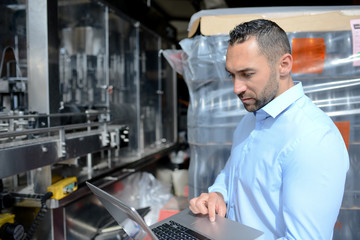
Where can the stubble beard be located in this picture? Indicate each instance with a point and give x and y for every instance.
(267, 95)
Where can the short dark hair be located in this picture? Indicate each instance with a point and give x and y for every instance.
(272, 39)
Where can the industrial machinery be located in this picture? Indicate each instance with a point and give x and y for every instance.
(85, 95)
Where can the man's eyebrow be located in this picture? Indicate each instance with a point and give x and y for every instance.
(241, 70)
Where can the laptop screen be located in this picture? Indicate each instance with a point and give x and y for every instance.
(128, 218)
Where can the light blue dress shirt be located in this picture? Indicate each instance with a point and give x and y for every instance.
(287, 169)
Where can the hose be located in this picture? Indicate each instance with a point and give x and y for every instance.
(39, 216)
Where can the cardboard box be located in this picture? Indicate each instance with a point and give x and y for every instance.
(291, 19)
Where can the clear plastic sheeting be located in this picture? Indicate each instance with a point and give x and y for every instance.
(323, 61)
(141, 190)
(214, 109)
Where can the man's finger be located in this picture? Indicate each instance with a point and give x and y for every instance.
(199, 204)
(202, 205)
(212, 203)
(209, 203)
(221, 209)
(192, 206)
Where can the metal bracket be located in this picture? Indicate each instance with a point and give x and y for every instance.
(62, 143)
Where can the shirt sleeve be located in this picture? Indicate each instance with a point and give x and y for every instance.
(313, 185)
(221, 183)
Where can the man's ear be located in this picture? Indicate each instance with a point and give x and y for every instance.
(285, 65)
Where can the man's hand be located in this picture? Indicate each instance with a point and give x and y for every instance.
(209, 203)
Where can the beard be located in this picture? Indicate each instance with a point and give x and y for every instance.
(267, 95)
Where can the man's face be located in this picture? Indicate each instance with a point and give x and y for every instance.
(255, 83)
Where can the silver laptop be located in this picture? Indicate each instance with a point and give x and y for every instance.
(183, 225)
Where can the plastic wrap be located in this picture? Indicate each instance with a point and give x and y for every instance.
(214, 109)
(141, 190)
(331, 80)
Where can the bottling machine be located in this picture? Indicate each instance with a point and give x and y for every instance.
(85, 95)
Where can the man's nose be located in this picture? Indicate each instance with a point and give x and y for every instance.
(239, 87)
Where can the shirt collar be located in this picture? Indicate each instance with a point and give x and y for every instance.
(284, 100)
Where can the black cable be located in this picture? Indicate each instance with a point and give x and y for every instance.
(39, 216)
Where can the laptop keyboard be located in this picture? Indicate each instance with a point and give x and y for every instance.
(175, 231)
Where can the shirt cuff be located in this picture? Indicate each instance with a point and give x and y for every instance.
(220, 190)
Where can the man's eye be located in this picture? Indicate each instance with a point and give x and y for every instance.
(248, 75)
(230, 75)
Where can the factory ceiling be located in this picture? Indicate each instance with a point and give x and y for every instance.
(170, 18)
(179, 12)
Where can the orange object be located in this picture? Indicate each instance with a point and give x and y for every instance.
(344, 128)
(308, 55)
(164, 213)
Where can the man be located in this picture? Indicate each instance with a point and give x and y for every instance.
(287, 168)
